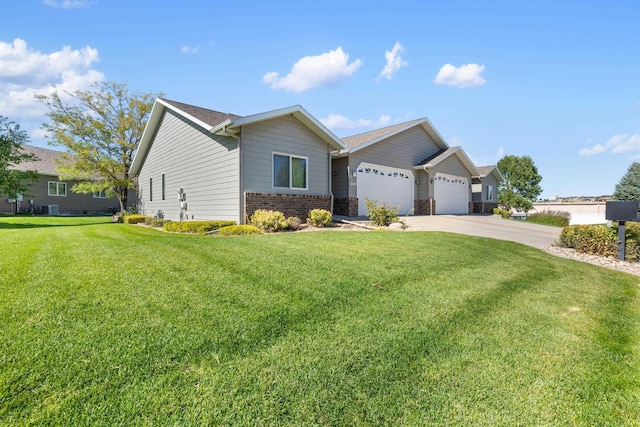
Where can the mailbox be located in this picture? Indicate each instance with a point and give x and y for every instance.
(621, 211)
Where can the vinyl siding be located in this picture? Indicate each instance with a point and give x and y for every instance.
(402, 151)
(73, 203)
(206, 166)
(340, 177)
(283, 135)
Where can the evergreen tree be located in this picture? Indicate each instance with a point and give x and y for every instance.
(629, 186)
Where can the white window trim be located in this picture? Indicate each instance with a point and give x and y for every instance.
(102, 194)
(290, 156)
(57, 188)
(490, 193)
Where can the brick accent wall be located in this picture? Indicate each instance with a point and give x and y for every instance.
(423, 207)
(345, 206)
(289, 204)
(484, 207)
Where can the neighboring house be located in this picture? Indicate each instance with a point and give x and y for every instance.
(50, 195)
(227, 166)
(485, 189)
(407, 165)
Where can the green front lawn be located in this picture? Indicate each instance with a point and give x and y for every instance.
(113, 324)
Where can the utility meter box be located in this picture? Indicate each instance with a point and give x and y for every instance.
(622, 211)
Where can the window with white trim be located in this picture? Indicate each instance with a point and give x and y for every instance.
(290, 171)
(489, 192)
(57, 188)
(102, 194)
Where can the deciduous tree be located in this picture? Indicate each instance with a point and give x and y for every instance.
(12, 180)
(521, 185)
(100, 129)
(629, 186)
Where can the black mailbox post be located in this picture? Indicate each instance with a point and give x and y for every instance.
(621, 212)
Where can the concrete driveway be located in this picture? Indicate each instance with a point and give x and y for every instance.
(493, 226)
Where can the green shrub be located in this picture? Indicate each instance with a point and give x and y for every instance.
(156, 222)
(293, 223)
(556, 218)
(591, 239)
(198, 227)
(134, 219)
(497, 211)
(319, 218)
(505, 214)
(381, 215)
(267, 220)
(239, 230)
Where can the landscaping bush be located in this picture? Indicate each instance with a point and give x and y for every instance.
(502, 212)
(381, 215)
(556, 218)
(198, 227)
(134, 219)
(319, 218)
(239, 230)
(267, 220)
(293, 223)
(591, 239)
(156, 222)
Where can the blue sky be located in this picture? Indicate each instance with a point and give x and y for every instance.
(555, 80)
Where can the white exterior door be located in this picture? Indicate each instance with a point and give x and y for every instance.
(451, 194)
(386, 185)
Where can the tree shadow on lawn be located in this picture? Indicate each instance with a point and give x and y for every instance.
(26, 225)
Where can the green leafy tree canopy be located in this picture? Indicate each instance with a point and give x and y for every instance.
(521, 185)
(629, 186)
(100, 129)
(12, 180)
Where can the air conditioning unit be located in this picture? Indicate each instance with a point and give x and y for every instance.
(50, 210)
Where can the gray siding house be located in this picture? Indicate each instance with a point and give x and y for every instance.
(51, 195)
(407, 165)
(485, 189)
(228, 166)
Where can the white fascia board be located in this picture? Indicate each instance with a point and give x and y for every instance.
(147, 136)
(185, 115)
(458, 151)
(424, 122)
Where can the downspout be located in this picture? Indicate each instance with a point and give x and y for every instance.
(430, 190)
(241, 219)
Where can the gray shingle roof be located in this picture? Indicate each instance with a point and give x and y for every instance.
(439, 156)
(362, 138)
(205, 115)
(45, 164)
(485, 170)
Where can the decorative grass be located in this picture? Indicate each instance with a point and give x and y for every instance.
(108, 324)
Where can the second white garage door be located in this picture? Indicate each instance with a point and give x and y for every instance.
(451, 194)
(386, 185)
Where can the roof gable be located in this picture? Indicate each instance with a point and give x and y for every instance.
(223, 124)
(366, 139)
(484, 171)
(439, 157)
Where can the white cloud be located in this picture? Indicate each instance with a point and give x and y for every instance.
(312, 71)
(467, 75)
(25, 72)
(617, 144)
(500, 154)
(394, 61)
(68, 4)
(338, 121)
(189, 49)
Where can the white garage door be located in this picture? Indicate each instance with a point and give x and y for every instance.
(451, 194)
(386, 185)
